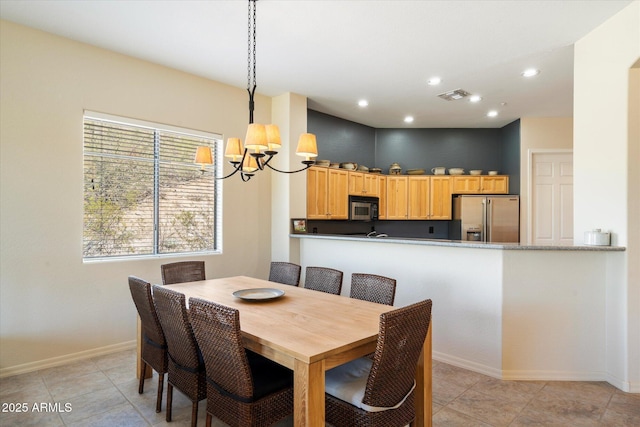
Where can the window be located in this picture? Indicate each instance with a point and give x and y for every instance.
(143, 195)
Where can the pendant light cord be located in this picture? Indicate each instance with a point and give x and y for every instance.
(251, 56)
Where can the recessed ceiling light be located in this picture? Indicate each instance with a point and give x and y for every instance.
(363, 103)
(475, 98)
(492, 113)
(408, 119)
(434, 81)
(530, 72)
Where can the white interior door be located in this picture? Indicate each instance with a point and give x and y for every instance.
(552, 198)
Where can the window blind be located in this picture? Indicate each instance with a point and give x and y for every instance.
(143, 195)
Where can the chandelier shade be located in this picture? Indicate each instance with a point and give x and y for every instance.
(307, 146)
(234, 149)
(204, 156)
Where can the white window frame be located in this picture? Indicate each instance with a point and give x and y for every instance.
(216, 171)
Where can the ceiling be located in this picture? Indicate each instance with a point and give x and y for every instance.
(338, 52)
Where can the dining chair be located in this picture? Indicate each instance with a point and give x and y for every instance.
(186, 367)
(374, 288)
(285, 272)
(380, 392)
(244, 389)
(181, 272)
(323, 279)
(154, 345)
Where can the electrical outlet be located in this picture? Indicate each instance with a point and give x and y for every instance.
(431, 230)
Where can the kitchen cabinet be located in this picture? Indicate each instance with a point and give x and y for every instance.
(418, 198)
(440, 197)
(327, 193)
(476, 184)
(465, 184)
(397, 196)
(363, 184)
(382, 195)
(494, 184)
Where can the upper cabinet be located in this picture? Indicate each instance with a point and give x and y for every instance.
(475, 184)
(327, 193)
(494, 184)
(418, 197)
(364, 184)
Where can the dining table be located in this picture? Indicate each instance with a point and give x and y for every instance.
(309, 332)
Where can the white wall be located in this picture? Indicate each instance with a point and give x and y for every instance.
(52, 306)
(513, 314)
(606, 183)
(289, 191)
(464, 285)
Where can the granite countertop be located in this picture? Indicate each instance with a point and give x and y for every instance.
(457, 243)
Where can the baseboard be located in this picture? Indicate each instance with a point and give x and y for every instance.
(553, 375)
(526, 375)
(68, 358)
(626, 386)
(467, 364)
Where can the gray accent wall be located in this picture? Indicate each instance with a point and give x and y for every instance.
(341, 140)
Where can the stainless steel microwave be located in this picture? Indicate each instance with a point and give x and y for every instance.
(363, 208)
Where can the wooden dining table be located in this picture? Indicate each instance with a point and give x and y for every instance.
(309, 332)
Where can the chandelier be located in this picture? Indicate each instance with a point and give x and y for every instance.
(261, 141)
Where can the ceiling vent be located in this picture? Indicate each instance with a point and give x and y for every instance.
(454, 95)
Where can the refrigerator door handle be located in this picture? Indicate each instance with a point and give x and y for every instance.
(487, 221)
(484, 220)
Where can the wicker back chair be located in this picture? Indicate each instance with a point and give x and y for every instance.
(285, 272)
(181, 272)
(374, 288)
(186, 368)
(323, 279)
(243, 388)
(385, 394)
(154, 345)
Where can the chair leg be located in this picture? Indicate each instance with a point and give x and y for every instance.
(169, 400)
(143, 369)
(160, 387)
(208, 424)
(194, 414)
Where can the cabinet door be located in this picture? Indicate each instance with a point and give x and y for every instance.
(338, 194)
(419, 197)
(466, 184)
(440, 203)
(371, 185)
(397, 188)
(317, 179)
(382, 194)
(494, 184)
(356, 183)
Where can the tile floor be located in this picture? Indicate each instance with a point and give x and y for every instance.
(104, 392)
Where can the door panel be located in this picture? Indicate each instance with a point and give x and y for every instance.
(552, 199)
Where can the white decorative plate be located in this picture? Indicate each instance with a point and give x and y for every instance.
(258, 294)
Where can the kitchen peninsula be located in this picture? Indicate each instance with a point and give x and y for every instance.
(506, 310)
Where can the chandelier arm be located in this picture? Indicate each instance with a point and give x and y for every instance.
(237, 167)
(307, 166)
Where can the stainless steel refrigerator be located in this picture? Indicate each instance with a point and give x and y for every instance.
(486, 218)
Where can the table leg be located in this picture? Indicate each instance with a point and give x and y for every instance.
(148, 373)
(424, 384)
(308, 394)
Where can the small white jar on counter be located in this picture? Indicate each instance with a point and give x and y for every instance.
(597, 237)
